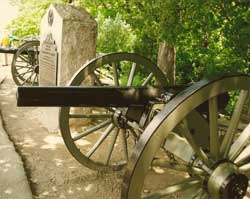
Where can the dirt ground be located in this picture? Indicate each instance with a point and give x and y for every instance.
(53, 173)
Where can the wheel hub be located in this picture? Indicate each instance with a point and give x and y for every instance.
(235, 187)
(226, 182)
(118, 119)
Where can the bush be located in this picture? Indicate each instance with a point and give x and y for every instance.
(114, 35)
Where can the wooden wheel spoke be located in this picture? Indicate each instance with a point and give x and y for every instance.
(34, 76)
(92, 116)
(111, 145)
(244, 157)
(91, 130)
(31, 56)
(97, 80)
(24, 59)
(245, 168)
(116, 77)
(36, 56)
(182, 186)
(22, 67)
(228, 139)
(29, 78)
(100, 140)
(177, 166)
(24, 73)
(240, 143)
(194, 193)
(131, 74)
(124, 144)
(34, 80)
(19, 61)
(213, 128)
(202, 195)
(147, 80)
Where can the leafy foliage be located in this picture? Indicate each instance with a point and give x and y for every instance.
(211, 37)
(114, 35)
(30, 15)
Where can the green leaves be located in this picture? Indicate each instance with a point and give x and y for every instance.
(114, 35)
(211, 37)
(30, 15)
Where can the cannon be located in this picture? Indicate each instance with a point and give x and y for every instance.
(25, 62)
(174, 141)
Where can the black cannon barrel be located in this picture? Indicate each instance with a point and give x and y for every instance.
(86, 96)
(8, 50)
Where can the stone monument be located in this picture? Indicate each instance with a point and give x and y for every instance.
(68, 40)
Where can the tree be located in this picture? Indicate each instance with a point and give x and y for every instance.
(114, 35)
(30, 15)
(210, 37)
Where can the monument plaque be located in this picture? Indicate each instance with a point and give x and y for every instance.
(48, 59)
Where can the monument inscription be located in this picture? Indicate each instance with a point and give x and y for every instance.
(48, 59)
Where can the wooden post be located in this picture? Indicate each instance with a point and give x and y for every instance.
(167, 60)
(5, 59)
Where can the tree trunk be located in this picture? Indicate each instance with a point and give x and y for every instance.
(166, 61)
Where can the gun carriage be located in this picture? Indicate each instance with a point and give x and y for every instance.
(182, 132)
(25, 62)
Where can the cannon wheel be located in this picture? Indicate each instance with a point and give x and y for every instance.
(96, 146)
(25, 64)
(220, 172)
